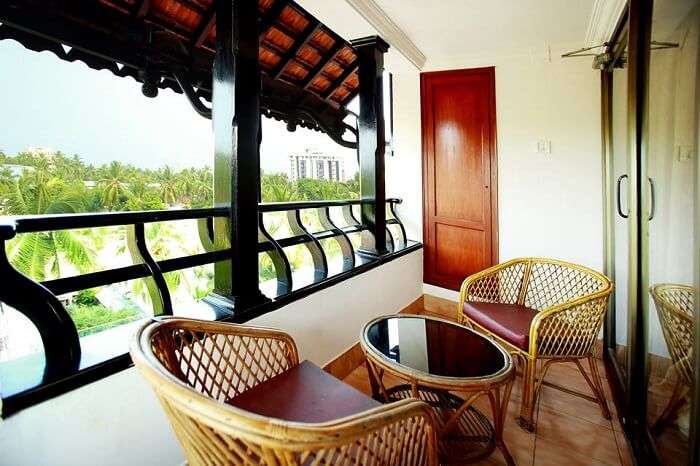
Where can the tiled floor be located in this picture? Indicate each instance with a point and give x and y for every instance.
(570, 430)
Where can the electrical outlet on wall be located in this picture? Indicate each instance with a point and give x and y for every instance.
(544, 146)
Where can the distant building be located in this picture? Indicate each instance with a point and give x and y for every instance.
(16, 170)
(316, 165)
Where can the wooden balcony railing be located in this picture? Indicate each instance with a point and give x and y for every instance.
(65, 363)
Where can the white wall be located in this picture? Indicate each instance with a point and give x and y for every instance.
(117, 420)
(549, 205)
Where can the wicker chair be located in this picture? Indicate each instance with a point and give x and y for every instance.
(675, 305)
(541, 310)
(197, 370)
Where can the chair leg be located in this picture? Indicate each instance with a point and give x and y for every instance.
(527, 405)
(671, 410)
(596, 385)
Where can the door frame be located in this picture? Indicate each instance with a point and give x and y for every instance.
(493, 156)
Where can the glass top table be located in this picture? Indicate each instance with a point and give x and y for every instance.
(435, 347)
(437, 358)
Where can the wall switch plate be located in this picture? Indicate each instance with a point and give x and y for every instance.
(544, 146)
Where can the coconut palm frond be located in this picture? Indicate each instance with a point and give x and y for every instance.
(31, 254)
(74, 249)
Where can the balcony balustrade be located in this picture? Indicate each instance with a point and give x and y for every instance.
(326, 231)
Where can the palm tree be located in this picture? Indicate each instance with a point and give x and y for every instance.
(114, 189)
(277, 188)
(203, 192)
(40, 254)
(169, 188)
(143, 197)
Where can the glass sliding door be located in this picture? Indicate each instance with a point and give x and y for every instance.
(651, 124)
(620, 208)
(614, 82)
(669, 198)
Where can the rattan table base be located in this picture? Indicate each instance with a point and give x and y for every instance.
(473, 437)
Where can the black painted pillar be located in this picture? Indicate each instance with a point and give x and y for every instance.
(236, 121)
(372, 143)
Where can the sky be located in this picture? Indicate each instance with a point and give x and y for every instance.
(50, 103)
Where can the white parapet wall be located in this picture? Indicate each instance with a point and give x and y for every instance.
(118, 421)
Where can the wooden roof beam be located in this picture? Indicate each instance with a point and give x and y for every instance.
(339, 81)
(267, 20)
(299, 43)
(325, 60)
(205, 27)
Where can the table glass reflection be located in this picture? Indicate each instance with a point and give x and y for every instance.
(435, 347)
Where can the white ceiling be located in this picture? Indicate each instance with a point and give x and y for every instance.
(455, 28)
(444, 29)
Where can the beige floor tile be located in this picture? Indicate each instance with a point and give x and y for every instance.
(520, 443)
(548, 453)
(569, 376)
(556, 401)
(577, 435)
(358, 379)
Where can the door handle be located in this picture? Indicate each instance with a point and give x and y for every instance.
(619, 203)
(652, 206)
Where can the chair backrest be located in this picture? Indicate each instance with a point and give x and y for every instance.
(219, 360)
(675, 307)
(195, 367)
(551, 282)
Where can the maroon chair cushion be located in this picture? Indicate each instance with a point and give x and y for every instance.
(508, 321)
(305, 393)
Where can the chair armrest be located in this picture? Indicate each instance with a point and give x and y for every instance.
(569, 329)
(408, 427)
(402, 433)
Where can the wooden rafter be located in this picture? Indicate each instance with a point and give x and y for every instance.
(321, 65)
(301, 41)
(339, 81)
(172, 36)
(267, 20)
(205, 27)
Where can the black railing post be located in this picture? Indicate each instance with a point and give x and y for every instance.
(236, 120)
(371, 143)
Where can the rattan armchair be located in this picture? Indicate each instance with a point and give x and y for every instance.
(560, 307)
(196, 368)
(674, 306)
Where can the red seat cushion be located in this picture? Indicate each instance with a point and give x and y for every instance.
(511, 322)
(305, 393)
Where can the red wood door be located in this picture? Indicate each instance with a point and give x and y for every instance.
(460, 233)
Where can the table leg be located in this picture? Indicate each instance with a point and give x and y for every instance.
(452, 421)
(499, 408)
(375, 382)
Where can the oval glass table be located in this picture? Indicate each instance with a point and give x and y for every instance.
(437, 359)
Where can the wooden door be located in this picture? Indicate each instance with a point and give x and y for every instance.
(460, 232)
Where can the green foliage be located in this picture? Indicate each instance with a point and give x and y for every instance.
(95, 318)
(86, 298)
(57, 183)
(278, 188)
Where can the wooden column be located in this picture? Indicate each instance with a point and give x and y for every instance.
(236, 122)
(372, 143)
